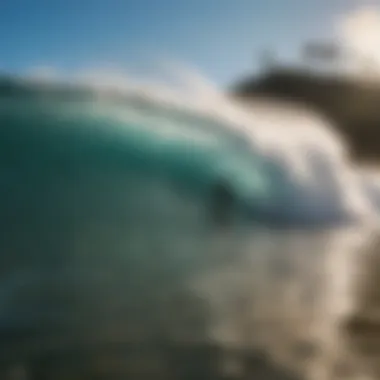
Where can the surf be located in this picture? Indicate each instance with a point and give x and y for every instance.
(106, 193)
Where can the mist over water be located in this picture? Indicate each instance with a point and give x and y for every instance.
(105, 191)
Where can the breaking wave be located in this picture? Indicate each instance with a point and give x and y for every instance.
(285, 162)
(104, 186)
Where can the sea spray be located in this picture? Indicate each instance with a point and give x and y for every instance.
(104, 190)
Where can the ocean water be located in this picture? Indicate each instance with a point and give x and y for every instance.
(107, 235)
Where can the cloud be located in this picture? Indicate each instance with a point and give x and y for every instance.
(359, 31)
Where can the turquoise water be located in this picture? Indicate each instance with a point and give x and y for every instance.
(106, 232)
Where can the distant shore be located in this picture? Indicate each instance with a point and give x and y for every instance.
(352, 104)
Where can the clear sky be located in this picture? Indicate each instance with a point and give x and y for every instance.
(220, 37)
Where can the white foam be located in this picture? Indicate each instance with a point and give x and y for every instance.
(310, 158)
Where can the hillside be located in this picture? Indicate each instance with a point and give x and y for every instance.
(352, 104)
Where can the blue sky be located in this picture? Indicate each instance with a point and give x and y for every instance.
(220, 37)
